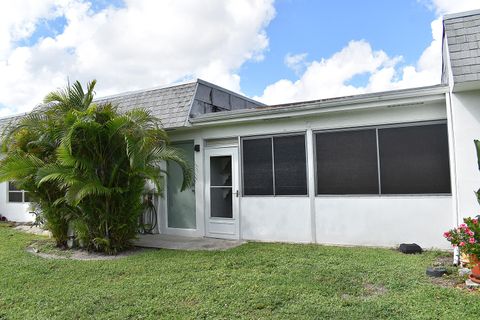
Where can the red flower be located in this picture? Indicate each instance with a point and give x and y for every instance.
(471, 240)
(446, 234)
(475, 221)
(461, 244)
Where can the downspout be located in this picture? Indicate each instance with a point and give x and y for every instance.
(447, 77)
(453, 170)
(447, 71)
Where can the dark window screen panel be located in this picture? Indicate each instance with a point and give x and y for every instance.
(414, 160)
(347, 162)
(221, 203)
(15, 196)
(257, 167)
(11, 186)
(290, 165)
(221, 171)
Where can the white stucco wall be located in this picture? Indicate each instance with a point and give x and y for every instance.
(370, 220)
(275, 219)
(347, 220)
(383, 220)
(12, 210)
(465, 119)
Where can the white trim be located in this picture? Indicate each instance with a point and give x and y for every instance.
(311, 173)
(231, 226)
(239, 192)
(224, 142)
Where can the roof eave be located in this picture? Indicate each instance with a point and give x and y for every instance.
(381, 99)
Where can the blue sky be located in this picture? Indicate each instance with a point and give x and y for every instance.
(274, 51)
(321, 28)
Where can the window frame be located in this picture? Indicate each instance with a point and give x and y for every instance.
(376, 128)
(15, 191)
(271, 136)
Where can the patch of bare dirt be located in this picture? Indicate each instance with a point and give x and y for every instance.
(78, 254)
(33, 230)
(450, 280)
(373, 290)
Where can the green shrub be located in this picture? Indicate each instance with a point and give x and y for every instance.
(86, 166)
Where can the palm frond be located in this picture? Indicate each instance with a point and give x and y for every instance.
(18, 166)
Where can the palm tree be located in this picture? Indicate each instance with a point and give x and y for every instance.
(30, 143)
(98, 160)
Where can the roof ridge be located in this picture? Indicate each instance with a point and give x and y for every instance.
(463, 14)
(126, 93)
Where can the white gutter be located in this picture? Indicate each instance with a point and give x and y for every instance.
(371, 100)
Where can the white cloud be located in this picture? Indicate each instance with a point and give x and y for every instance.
(330, 77)
(148, 43)
(296, 62)
(143, 44)
(451, 6)
(19, 19)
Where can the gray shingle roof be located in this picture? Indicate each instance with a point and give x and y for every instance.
(176, 104)
(170, 104)
(6, 122)
(463, 38)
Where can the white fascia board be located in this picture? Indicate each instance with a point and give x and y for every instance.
(383, 99)
(466, 86)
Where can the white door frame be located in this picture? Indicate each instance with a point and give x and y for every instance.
(225, 228)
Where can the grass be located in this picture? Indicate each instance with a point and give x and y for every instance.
(254, 281)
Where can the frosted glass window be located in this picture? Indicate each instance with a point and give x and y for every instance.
(181, 204)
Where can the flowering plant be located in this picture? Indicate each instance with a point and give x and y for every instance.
(466, 236)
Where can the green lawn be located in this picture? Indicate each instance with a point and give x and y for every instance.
(253, 281)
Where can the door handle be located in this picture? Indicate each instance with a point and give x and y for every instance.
(236, 193)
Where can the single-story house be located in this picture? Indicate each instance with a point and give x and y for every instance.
(372, 169)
